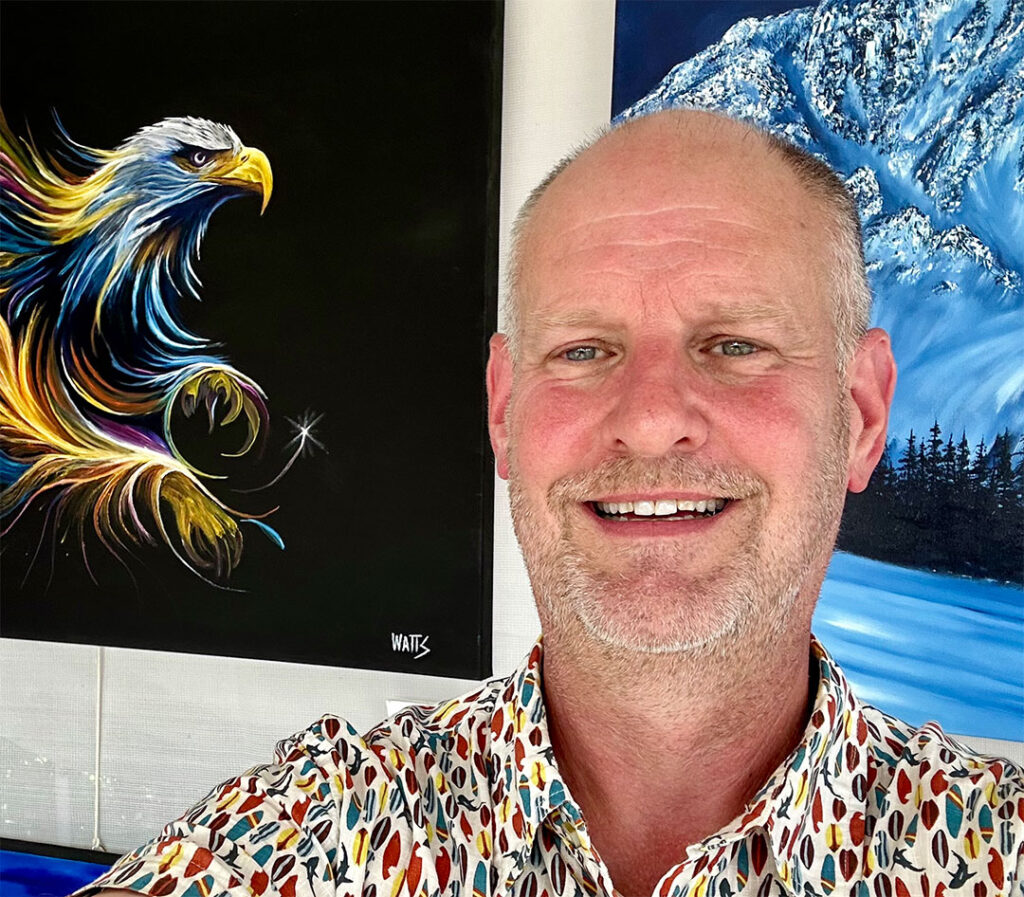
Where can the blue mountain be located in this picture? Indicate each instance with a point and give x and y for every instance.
(919, 105)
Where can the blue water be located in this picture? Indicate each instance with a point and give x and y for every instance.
(926, 646)
(30, 875)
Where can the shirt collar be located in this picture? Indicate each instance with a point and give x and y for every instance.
(830, 763)
(526, 786)
(824, 777)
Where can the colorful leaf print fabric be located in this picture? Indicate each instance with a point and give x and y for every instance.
(465, 800)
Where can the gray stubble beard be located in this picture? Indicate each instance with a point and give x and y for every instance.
(746, 604)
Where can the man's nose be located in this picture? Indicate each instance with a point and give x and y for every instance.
(659, 407)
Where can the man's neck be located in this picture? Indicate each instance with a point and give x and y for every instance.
(662, 751)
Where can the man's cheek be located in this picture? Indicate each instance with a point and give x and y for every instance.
(764, 422)
(554, 422)
(771, 401)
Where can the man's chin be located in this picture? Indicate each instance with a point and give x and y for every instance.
(633, 638)
(658, 611)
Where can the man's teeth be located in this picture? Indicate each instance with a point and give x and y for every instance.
(662, 507)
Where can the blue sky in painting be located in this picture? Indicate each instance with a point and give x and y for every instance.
(651, 38)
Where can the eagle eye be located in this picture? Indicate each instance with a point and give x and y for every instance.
(194, 157)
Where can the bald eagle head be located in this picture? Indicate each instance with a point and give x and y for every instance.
(184, 162)
(120, 240)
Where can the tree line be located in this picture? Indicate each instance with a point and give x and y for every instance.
(938, 504)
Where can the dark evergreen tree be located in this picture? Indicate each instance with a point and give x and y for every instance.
(963, 463)
(908, 463)
(941, 508)
(979, 469)
(884, 477)
(949, 464)
(932, 465)
(1001, 465)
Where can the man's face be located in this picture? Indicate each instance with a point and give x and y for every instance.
(675, 432)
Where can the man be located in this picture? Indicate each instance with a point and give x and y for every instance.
(686, 391)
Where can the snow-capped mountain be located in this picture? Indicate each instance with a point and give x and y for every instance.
(919, 104)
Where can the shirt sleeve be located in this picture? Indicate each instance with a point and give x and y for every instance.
(297, 826)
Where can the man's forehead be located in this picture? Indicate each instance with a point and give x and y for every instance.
(665, 241)
(676, 227)
(691, 212)
(671, 222)
(653, 173)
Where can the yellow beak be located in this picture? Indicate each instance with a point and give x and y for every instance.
(250, 170)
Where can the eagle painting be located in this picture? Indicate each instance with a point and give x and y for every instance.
(94, 357)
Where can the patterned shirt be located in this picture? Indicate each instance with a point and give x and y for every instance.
(465, 798)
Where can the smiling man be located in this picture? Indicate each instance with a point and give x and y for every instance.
(687, 390)
(679, 415)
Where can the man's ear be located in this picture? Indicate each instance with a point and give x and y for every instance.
(872, 381)
(499, 391)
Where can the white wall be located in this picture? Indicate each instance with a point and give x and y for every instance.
(557, 90)
(173, 725)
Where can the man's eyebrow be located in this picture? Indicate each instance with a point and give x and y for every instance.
(752, 311)
(576, 317)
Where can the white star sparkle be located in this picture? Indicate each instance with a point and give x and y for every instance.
(303, 427)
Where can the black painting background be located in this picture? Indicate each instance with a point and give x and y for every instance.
(366, 292)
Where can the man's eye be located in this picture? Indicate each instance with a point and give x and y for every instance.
(580, 353)
(735, 348)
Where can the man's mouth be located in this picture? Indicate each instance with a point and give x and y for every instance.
(661, 509)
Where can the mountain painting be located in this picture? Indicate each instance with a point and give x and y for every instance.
(919, 105)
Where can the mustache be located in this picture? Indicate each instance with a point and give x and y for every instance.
(637, 474)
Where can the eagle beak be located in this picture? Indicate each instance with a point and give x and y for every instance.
(250, 170)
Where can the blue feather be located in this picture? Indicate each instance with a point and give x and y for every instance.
(270, 533)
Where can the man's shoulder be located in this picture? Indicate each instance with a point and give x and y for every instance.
(331, 800)
(419, 741)
(456, 728)
(936, 806)
(903, 755)
(414, 726)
